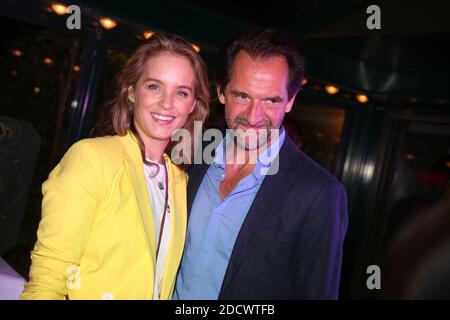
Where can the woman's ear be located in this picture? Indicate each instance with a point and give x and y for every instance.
(193, 105)
(131, 93)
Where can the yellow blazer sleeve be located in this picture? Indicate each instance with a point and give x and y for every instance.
(71, 196)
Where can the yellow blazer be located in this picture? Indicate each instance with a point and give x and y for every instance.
(96, 238)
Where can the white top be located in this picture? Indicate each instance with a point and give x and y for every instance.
(157, 196)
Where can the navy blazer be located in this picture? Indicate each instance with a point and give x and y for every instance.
(290, 243)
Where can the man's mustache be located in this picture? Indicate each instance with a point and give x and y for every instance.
(263, 123)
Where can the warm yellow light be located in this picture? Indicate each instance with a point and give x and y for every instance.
(48, 61)
(59, 9)
(409, 156)
(304, 81)
(196, 47)
(331, 89)
(37, 90)
(448, 164)
(14, 73)
(17, 53)
(148, 34)
(362, 98)
(108, 23)
(413, 99)
(76, 68)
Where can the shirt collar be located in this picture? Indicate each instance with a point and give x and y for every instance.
(264, 160)
(267, 156)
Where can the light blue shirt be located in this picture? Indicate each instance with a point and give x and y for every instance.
(214, 224)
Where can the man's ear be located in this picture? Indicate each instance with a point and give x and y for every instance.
(290, 104)
(220, 95)
(131, 93)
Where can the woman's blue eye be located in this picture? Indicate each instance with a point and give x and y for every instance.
(153, 87)
(182, 93)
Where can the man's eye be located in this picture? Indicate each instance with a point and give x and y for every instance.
(241, 96)
(271, 102)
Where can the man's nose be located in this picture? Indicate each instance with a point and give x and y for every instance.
(255, 113)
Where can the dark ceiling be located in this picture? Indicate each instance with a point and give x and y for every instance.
(407, 57)
(283, 13)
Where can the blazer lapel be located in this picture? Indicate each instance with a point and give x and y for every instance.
(262, 209)
(136, 172)
(196, 174)
(177, 190)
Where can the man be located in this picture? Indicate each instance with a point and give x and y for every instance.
(253, 235)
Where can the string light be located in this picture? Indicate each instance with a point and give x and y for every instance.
(148, 34)
(331, 89)
(362, 98)
(108, 23)
(59, 8)
(48, 61)
(17, 53)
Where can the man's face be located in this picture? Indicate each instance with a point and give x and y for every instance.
(256, 98)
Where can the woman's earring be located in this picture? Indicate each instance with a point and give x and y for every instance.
(130, 98)
(130, 107)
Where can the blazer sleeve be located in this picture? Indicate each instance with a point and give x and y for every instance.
(319, 247)
(71, 195)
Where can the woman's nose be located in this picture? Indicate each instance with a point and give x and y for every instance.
(166, 101)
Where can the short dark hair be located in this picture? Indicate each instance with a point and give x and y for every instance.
(262, 43)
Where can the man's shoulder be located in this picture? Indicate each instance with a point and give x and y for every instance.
(312, 171)
(308, 177)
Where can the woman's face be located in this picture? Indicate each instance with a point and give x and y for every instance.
(163, 97)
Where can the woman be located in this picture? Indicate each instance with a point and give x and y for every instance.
(114, 209)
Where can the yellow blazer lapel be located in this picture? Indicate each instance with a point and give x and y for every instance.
(136, 171)
(177, 189)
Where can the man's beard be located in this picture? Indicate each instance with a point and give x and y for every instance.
(254, 138)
